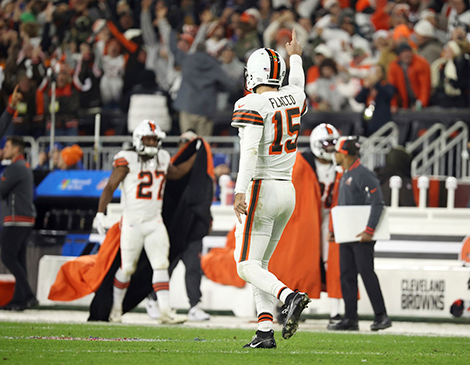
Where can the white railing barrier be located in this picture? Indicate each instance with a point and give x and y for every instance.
(451, 186)
(423, 186)
(375, 148)
(395, 184)
(433, 157)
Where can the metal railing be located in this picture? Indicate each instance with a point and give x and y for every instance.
(446, 155)
(375, 148)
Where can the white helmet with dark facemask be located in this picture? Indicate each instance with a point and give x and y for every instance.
(264, 67)
(322, 141)
(147, 128)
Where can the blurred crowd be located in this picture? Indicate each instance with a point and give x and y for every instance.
(181, 62)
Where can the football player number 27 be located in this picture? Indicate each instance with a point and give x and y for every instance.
(144, 188)
(293, 130)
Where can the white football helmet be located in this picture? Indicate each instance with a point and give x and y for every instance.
(264, 67)
(147, 128)
(322, 141)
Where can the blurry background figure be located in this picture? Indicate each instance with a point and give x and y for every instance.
(397, 163)
(70, 158)
(376, 95)
(428, 46)
(112, 81)
(450, 78)
(322, 145)
(28, 119)
(44, 157)
(324, 91)
(410, 75)
(188, 200)
(235, 69)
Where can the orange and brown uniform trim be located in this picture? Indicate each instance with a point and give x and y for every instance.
(275, 68)
(249, 220)
(265, 316)
(244, 116)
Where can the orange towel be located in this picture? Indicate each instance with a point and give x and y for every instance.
(83, 276)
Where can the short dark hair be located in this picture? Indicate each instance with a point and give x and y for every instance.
(18, 142)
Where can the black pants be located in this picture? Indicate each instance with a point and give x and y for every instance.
(358, 258)
(191, 258)
(13, 240)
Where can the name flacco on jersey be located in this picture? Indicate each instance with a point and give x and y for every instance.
(282, 101)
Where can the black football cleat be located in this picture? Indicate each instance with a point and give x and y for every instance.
(381, 322)
(334, 321)
(294, 310)
(346, 324)
(262, 340)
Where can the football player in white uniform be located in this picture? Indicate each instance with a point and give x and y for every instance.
(322, 143)
(269, 125)
(142, 171)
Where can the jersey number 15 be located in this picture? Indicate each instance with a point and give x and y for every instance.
(293, 130)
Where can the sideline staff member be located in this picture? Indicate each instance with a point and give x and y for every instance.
(18, 214)
(359, 186)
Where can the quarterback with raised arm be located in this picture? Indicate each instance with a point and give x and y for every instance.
(143, 171)
(268, 121)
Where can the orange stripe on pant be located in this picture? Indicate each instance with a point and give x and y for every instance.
(249, 220)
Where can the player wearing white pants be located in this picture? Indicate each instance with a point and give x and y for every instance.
(142, 171)
(268, 122)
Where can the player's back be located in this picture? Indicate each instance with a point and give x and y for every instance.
(143, 187)
(279, 112)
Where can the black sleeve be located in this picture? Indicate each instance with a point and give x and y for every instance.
(372, 191)
(5, 120)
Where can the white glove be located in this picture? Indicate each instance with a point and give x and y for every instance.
(99, 223)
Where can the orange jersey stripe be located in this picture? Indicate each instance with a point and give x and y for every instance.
(249, 220)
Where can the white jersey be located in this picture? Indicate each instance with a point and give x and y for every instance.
(278, 114)
(143, 187)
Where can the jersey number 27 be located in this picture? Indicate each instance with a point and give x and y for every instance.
(293, 130)
(144, 188)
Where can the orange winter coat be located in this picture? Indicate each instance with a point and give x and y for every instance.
(419, 74)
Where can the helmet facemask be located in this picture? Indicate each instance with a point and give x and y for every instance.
(323, 140)
(147, 128)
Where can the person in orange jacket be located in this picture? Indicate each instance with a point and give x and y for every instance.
(411, 76)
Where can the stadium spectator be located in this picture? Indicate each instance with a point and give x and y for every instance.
(410, 75)
(87, 76)
(112, 82)
(376, 95)
(202, 79)
(28, 119)
(247, 39)
(67, 102)
(236, 71)
(384, 47)
(428, 46)
(70, 158)
(450, 78)
(459, 14)
(320, 53)
(324, 91)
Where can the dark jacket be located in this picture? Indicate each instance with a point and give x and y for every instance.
(360, 186)
(202, 78)
(16, 191)
(381, 114)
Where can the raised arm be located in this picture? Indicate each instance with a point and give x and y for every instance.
(177, 172)
(294, 50)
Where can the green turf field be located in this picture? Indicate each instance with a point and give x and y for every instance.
(44, 343)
